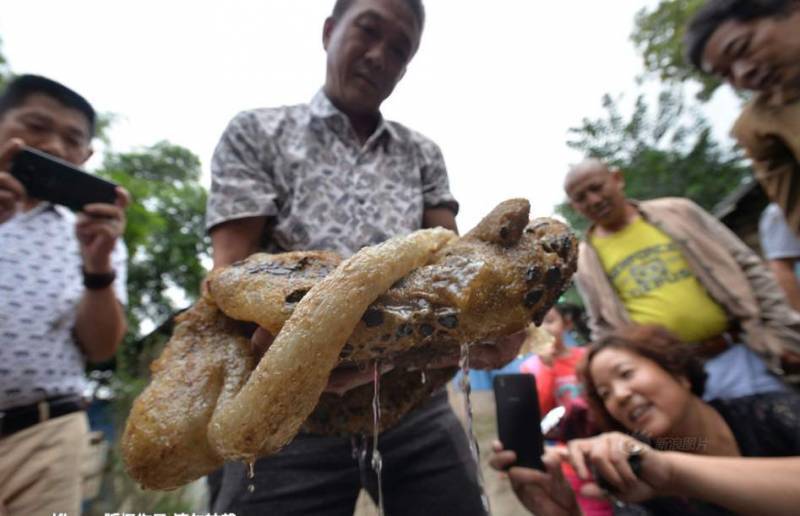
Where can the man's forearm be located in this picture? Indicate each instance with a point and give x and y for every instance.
(100, 324)
(743, 485)
(236, 240)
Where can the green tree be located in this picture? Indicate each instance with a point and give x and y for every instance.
(165, 235)
(658, 36)
(666, 151)
(5, 70)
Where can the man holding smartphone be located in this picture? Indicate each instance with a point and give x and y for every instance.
(62, 285)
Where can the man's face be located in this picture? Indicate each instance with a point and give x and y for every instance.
(368, 50)
(45, 124)
(759, 55)
(598, 196)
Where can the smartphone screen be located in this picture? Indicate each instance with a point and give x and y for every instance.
(48, 178)
(518, 418)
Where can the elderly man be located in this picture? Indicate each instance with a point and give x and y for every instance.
(755, 45)
(668, 262)
(334, 174)
(62, 286)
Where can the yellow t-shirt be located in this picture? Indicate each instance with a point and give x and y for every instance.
(655, 283)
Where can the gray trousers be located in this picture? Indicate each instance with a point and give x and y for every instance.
(427, 470)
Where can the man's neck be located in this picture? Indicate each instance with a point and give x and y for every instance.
(615, 226)
(364, 125)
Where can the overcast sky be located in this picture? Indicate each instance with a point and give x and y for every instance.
(496, 83)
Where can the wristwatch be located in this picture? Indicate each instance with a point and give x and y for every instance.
(98, 281)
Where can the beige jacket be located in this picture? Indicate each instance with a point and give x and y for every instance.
(730, 271)
(770, 134)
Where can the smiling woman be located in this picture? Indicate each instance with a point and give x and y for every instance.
(643, 381)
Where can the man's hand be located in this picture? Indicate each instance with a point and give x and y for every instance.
(341, 380)
(11, 191)
(486, 356)
(497, 355)
(98, 228)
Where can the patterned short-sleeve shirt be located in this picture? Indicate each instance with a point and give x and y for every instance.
(305, 170)
(40, 288)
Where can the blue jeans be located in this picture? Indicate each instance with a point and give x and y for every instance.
(427, 469)
(737, 372)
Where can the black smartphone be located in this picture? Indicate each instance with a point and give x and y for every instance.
(51, 179)
(518, 418)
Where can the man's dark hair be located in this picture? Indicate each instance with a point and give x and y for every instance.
(716, 12)
(416, 7)
(23, 86)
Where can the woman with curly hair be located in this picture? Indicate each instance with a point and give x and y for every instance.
(690, 456)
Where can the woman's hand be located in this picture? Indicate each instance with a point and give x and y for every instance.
(543, 493)
(607, 455)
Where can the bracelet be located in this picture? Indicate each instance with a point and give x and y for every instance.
(98, 281)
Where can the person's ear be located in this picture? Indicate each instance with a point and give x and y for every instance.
(327, 30)
(619, 178)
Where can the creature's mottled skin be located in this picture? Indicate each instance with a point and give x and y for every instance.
(488, 284)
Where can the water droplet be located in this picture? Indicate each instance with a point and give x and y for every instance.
(377, 461)
(466, 389)
(251, 474)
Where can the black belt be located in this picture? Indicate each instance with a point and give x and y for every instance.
(19, 418)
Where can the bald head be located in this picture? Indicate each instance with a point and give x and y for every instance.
(585, 168)
(596, 191)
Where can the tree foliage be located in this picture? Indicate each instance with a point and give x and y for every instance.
(165, 234)
(666, 151)
(658, 36)
(5, 70)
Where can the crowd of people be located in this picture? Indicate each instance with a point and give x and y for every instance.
(681, 394)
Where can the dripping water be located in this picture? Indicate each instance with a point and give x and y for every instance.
(251, 475)
(377, 461)
(466, 389)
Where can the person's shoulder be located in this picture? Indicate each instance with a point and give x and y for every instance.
(674, 204)
(270, 120)
(587, 254)
(412, 136)
(758, 406)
